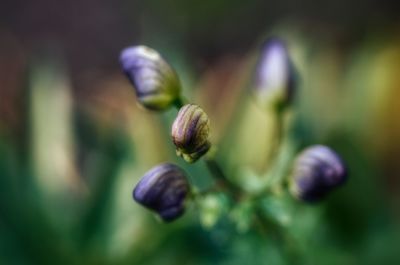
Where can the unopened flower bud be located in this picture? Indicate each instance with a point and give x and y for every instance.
(317, 171)
(163, 189)
(190, 132)
(274, 84)
(156, 83)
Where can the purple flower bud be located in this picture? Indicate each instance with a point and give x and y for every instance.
(156, 84)
(190, 132)
(163, 189)
(274, 82)
(317, 171)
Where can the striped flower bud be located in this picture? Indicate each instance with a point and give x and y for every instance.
(274, 80)
(190, 132)
(163, 189)
(317, 171)
(156, 84)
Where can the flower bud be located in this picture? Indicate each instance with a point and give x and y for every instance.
(190, 132)
(317, 171)
(163, 189)
(274, 82)
(156, 84)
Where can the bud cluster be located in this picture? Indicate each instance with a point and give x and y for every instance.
(165, 188)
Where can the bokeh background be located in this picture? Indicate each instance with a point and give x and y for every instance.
(73, 141)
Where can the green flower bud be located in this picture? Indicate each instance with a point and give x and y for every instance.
(155, 82)
(190, 132)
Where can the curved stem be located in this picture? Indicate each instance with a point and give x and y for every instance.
(221, 179)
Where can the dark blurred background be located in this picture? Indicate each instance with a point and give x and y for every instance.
(73, 141)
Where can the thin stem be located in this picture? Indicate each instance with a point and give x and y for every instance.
(278, 138)
(178, 103)
(281, 236)
(259, 220)
(219, 176)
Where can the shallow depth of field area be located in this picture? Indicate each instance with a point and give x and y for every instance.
(76, 137)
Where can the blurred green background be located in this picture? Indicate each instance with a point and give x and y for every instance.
(73, 142)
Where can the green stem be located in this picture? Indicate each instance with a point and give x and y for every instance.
(280, 235)
(220, 177)
(278, 138)
(179, 102)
